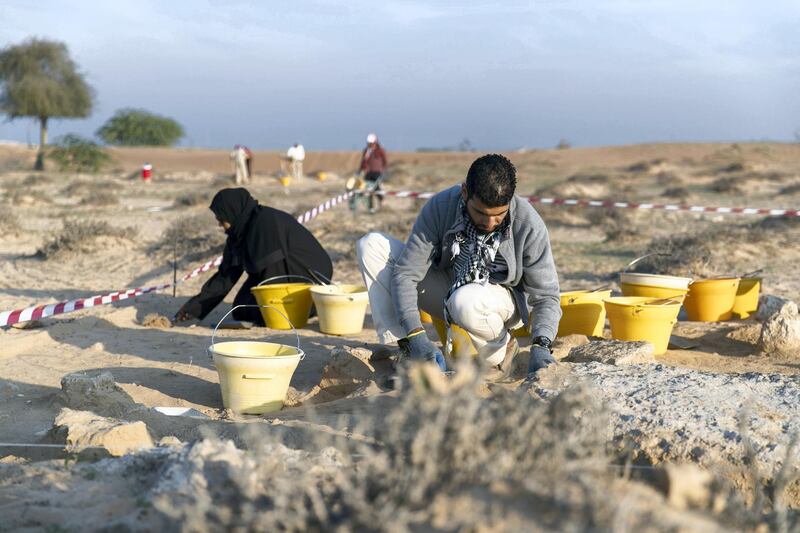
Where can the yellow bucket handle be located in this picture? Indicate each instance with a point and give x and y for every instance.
(296, 334)
(287, 276)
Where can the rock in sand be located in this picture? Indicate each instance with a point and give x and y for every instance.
(612, 352)
(78, 429)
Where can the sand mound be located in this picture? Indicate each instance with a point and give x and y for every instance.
(154, 320)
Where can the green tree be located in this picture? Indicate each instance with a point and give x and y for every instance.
(137, 127)
(40, 80)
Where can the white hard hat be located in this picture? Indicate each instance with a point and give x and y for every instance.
(372, 138)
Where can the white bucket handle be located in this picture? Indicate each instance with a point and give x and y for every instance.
(629, 265)
(287, 276)
(296, 334)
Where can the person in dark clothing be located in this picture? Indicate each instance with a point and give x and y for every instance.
(373, 166)
(262, 241)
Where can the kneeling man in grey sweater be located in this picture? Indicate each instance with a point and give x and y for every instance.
(478, 257)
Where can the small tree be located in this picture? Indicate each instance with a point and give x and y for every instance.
(137, 127)
(40, 80)
(73, 152)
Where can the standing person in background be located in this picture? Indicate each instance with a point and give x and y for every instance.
(241, 164)
(296, 155)
(262, 241)
(373, 166)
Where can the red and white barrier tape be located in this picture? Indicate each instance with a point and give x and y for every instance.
(627, 205)
(8, 318)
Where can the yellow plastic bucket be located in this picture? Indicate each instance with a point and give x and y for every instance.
(341, 308)
(652, 291)
(285, 180)
(441, 329)
(746, 301)
(583, 313)
(711, 300)
(291, 299)
(458, 344)
(521, 333)
(254, 376)
(637, 318)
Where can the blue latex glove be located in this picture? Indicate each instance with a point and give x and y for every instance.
(421, 348)
(540, 358)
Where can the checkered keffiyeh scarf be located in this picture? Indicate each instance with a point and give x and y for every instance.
(474, 253)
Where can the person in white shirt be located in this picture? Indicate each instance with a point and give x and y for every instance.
(296, 155)
(240, 160)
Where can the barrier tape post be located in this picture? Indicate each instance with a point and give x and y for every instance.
(8, 318)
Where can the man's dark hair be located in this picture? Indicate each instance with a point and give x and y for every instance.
(493, 179)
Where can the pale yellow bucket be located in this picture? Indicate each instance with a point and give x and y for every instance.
(653, 285)
(583, 313)
(341, 308)
(746, 301)
(282, 301)
(254, 376)
(636, 318)
(711, 300)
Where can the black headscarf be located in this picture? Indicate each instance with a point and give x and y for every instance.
(234, 206)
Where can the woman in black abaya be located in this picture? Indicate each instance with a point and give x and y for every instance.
(262, 241)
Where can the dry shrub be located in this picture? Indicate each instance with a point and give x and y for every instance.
(645, 166)
(35, 180)
(680, 193)
(618, 225)
(707, 252)
(668, 178)
(99, 198)
(736, 166)
(191, 237)
(8, 220)
(726, 185)
(432, 447)
(80, 236)
(84, 188)
(19, 194)
(442, 458)
(191, 199)
(790, 189)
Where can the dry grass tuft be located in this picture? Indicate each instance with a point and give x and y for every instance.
(80, 236)
(99, 198)
(727, 185)
(35, 180)
(707, 252)
(444, 458)
(191, 199)
(191, 237)
(8, 220)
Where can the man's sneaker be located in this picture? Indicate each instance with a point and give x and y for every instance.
(503, 371)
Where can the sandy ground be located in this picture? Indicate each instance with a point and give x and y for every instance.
(169, 367)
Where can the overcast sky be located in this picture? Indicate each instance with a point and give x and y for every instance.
(504, 74)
